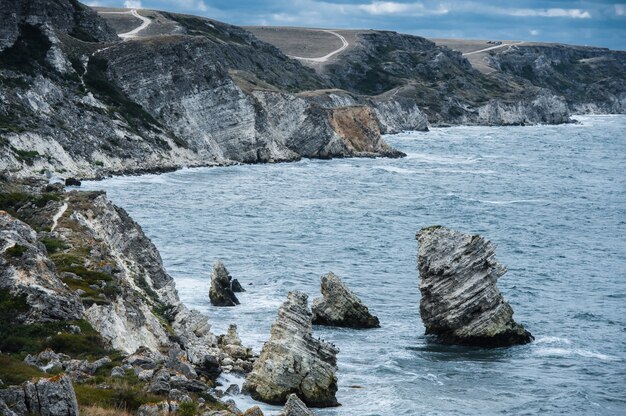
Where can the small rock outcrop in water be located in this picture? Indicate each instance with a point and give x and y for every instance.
(221, 291)
(292, 361)
(340, 307)
(295, 407)
(236, 286)
(460, 301)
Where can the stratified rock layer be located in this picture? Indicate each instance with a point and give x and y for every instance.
(460, 301)
(292, 361)
(47, 397)
(340, 307)
(221, 291)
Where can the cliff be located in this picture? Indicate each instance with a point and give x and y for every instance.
(77, 100)
(83, 292)
(196, 92)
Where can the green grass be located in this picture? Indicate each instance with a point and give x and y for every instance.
(16, 251)
(22, 339)
(15, 371)
(26, 156)
(123, 394)
(188, 409)
(13, 201)
(53, 245)
(11, 305)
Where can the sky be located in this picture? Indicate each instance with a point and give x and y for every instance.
(594, 22)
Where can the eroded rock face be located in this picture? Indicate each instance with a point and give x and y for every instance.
(461, 303)
(221, 291)
(295, 407)
(340, 307)
(46, 397)
(26, 271)
(292, 361)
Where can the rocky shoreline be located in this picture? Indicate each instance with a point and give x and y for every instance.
(90, 321)
(100, 314)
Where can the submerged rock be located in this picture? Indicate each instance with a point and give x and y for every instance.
(461, 303)
(295, 407)
(340, 307)
(221, 291)
(292, 361)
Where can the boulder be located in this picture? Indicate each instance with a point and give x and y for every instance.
(460, 302)
(253, 411)
(237, 288)
(295, 407)
(45, 397)
(72, 182)
(293, 361)
(340, 307)
(221, 291)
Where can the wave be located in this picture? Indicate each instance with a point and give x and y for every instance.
(395, 169)
(552, 340)
(564, 352)
(442, 160)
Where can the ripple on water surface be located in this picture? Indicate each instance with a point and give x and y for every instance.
(553, 198)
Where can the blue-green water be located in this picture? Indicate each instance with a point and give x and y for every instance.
(553, 198)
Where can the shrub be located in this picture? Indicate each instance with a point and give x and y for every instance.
(16, 251)
(53, 245)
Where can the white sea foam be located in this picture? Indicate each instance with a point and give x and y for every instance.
(514, 201)
(394, 169)
(565, 352)
(552, 340)
(442, 160)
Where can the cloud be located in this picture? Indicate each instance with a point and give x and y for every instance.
(132, 4)
(390, 8)
(570, 13)
(620, 9)
(534, 32)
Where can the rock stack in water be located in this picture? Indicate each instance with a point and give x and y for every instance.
(221, 291)
(460, 301)
(292, 361)
(340, 307)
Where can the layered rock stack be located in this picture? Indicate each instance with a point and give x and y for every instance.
(221, 291)
(461, 303)
(292, 361)
(340, 307)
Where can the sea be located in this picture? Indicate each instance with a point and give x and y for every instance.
(552, 198)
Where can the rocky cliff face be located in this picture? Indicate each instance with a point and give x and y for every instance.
(78, 278)
(592, 80)
(292, 361)
(205, 93)
(53, 396)
(441, 82)
(460, 302)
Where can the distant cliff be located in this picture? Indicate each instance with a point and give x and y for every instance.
(78, 100)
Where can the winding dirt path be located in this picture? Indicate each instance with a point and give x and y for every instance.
(145, 22)
(502, 45)
(324, 58)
